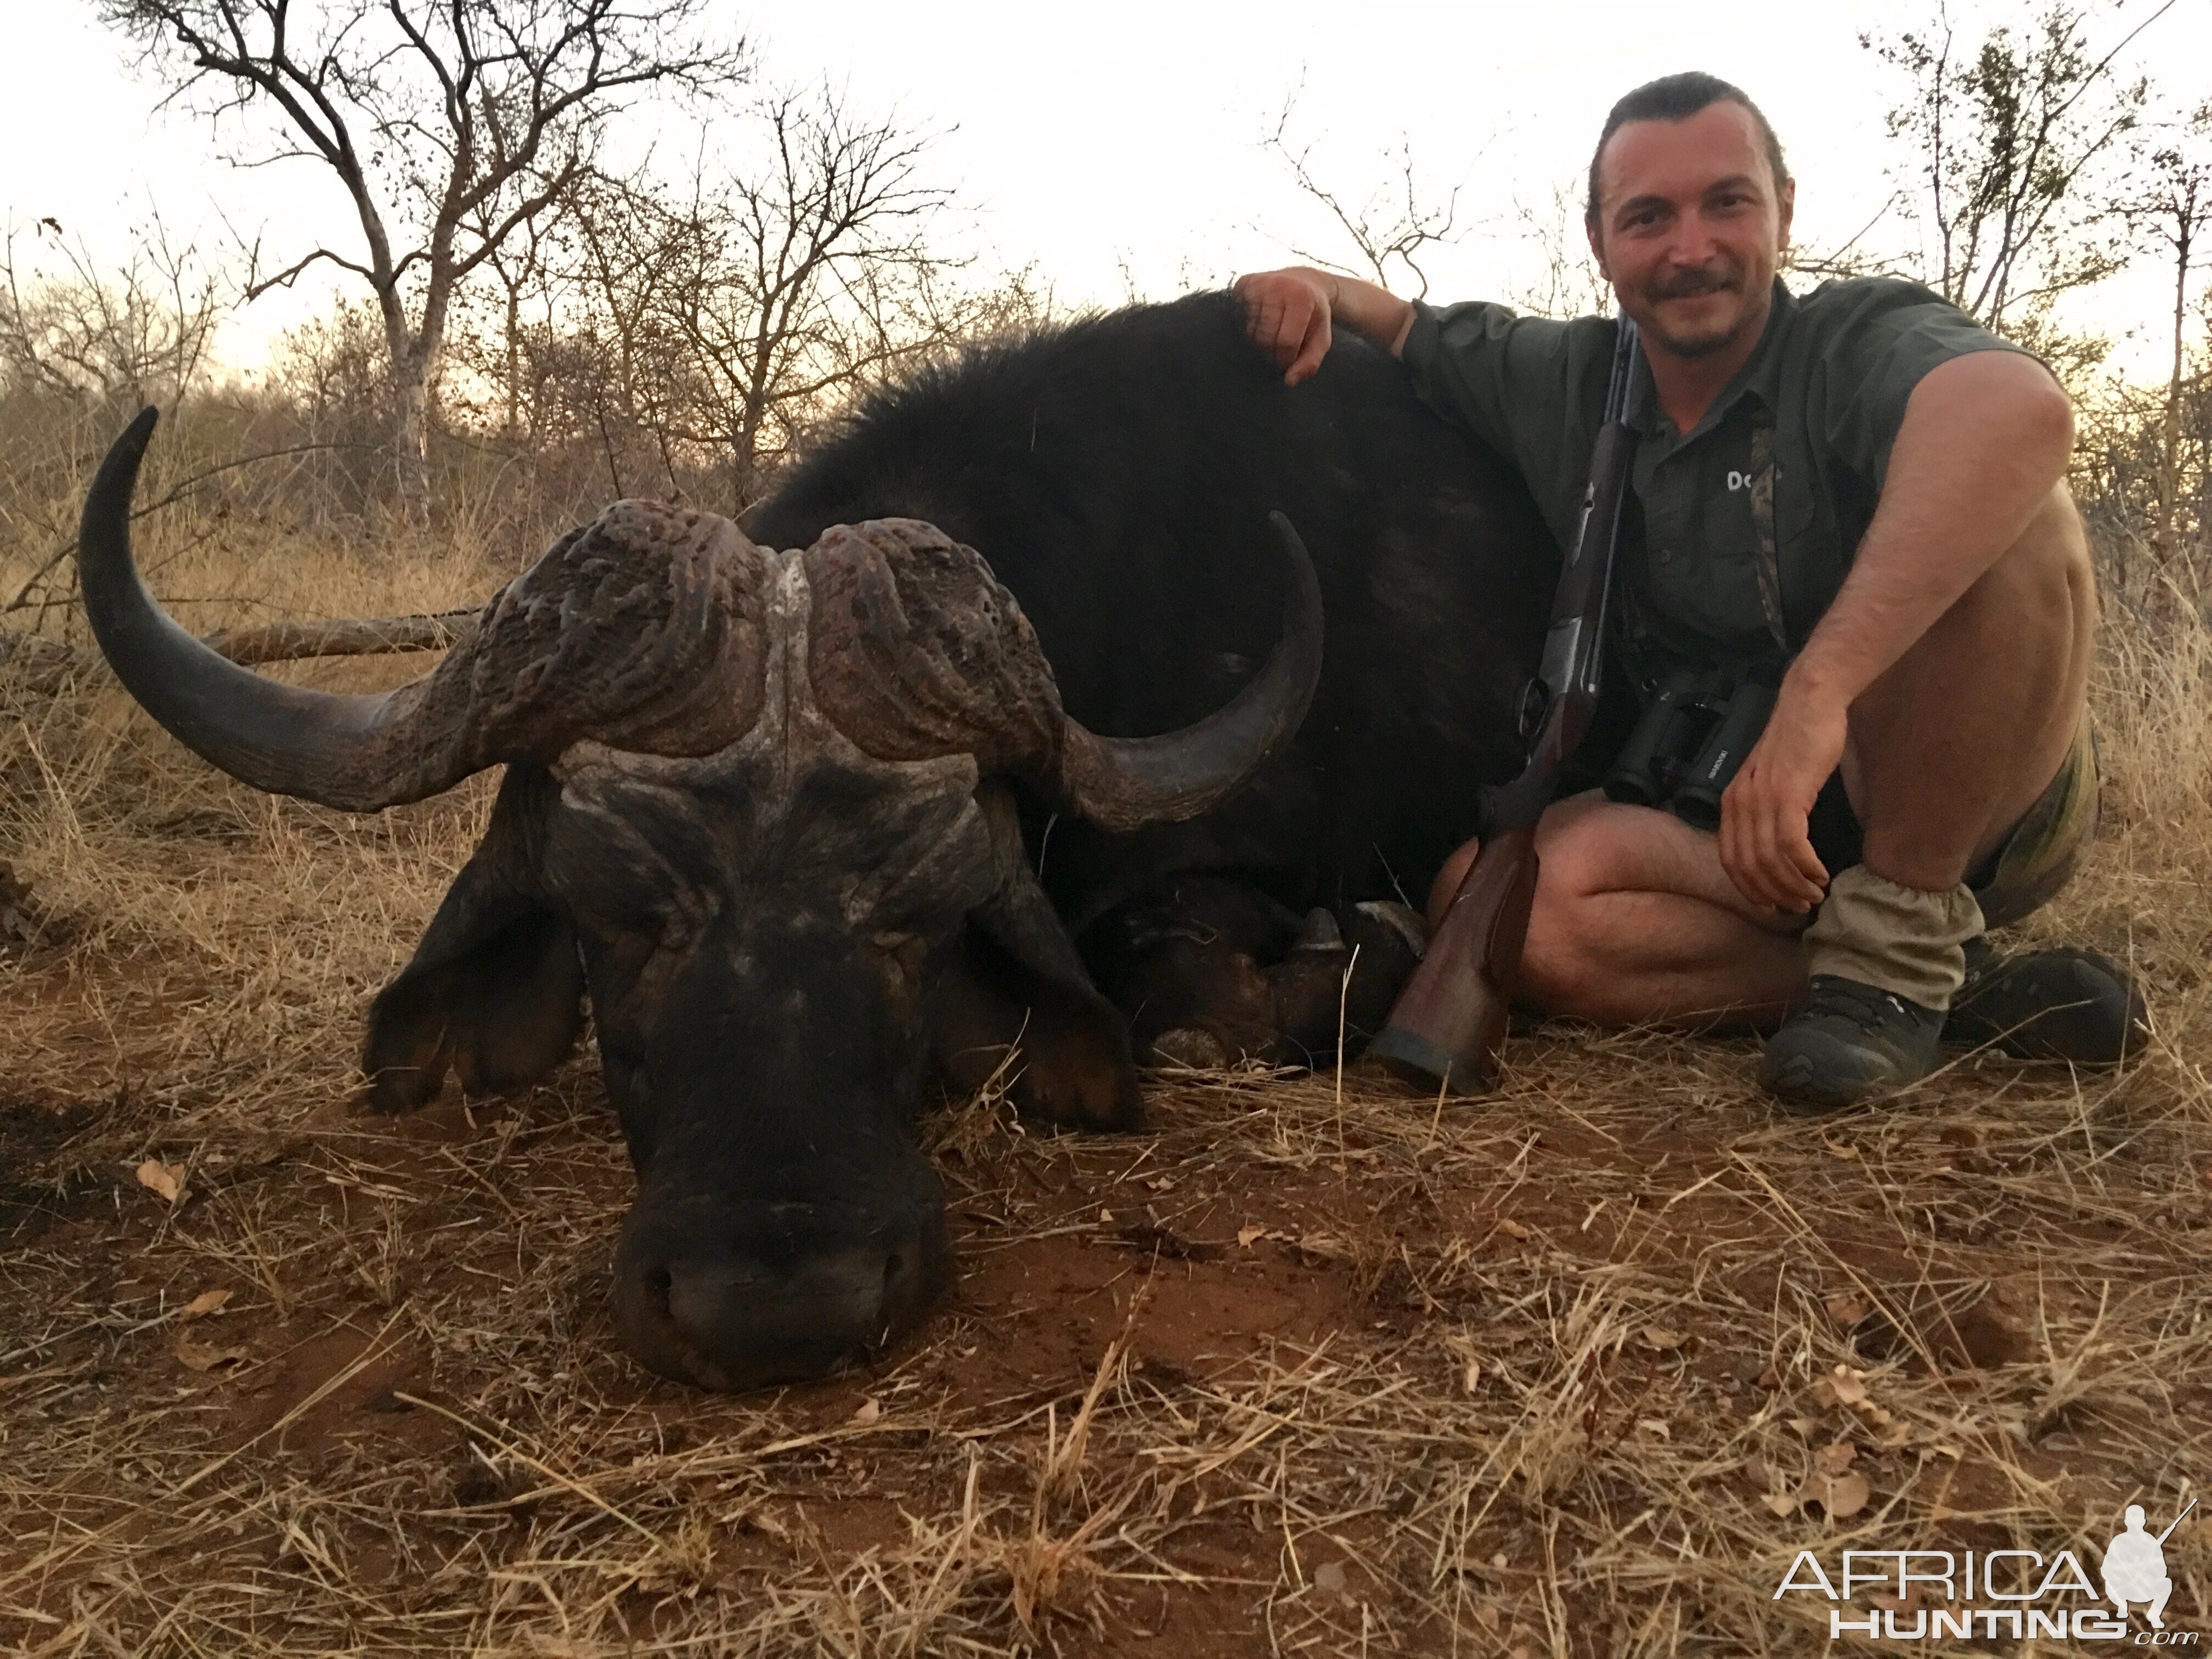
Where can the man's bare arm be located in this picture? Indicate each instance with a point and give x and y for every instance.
(1289, 313)
(1985, 440)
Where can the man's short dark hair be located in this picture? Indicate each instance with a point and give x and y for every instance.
(1677, 98)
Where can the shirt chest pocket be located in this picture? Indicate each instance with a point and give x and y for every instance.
(1713, 566)
(1813, 546)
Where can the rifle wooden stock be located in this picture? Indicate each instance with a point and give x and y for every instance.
(1448, 1023)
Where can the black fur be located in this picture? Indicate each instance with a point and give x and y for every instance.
(1117, 473)
(765, 1052)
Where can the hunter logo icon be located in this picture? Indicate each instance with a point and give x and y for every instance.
(2135, 1566)
(2001, 1593)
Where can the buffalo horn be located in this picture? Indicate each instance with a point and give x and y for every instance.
(1124, 783)
(358, 753)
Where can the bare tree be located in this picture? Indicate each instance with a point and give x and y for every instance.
(746, 306)
(2172, 206)
(518, 264)
(449, 124)
(2006, 135)
(81, 343)
(1395, 224)
(134, 335)
(1568, 282)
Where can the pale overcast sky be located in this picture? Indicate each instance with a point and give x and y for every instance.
(1118, 149)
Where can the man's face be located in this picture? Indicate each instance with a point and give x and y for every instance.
(1690, 227)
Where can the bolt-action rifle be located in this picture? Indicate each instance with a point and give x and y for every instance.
(1448, 1023)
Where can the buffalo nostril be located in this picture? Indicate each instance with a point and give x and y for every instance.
(781, 1293)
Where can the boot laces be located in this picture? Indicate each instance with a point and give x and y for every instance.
(1870, 1007)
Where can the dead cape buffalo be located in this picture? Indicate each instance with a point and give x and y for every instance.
(799, 823)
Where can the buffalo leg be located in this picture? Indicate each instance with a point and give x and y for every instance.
(1064, 1063)
(1339, 979)
(1210, 970)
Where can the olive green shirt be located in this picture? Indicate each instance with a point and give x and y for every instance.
(1747, 522)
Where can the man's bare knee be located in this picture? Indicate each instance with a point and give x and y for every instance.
(1563, 965)
(1556, 965)
(1966, 729)
(1559, 973)
(1565, 829)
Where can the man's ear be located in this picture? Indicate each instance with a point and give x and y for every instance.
(494, 989)
(1596, 235)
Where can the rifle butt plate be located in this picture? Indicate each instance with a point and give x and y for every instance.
(1415, 1060)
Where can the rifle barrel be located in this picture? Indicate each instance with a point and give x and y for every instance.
(2176, 1521)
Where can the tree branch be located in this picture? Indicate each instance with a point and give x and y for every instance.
(40, 664)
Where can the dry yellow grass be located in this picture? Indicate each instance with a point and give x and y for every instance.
(1298, 1371)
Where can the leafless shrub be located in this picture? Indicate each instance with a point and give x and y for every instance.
(1389, 225)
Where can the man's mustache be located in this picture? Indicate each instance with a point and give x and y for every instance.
(1689, 284)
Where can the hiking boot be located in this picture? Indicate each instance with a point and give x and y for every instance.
(2048, 1004)
(1850, 1042)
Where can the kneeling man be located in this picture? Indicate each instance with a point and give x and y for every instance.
(1854, 499)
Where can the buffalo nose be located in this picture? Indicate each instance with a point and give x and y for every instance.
(735, 1319)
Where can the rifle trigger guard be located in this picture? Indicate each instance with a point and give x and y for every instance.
(1486, 810)
(1536, 704)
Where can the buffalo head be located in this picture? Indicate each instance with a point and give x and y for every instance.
(759, 808)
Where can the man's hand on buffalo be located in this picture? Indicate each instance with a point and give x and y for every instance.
(1288, 315)
(1291, 313)
(1767, 846)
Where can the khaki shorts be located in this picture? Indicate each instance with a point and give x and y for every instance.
(2037, 859)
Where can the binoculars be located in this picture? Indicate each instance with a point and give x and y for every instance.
(1690, 744)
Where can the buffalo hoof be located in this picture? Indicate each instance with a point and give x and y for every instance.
(1190, 1046)
(1336, 985)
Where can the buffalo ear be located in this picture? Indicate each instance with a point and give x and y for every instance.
(494, 989)
(1018, 984)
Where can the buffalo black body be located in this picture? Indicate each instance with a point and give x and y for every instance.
(1118, 474)
(807, 811)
